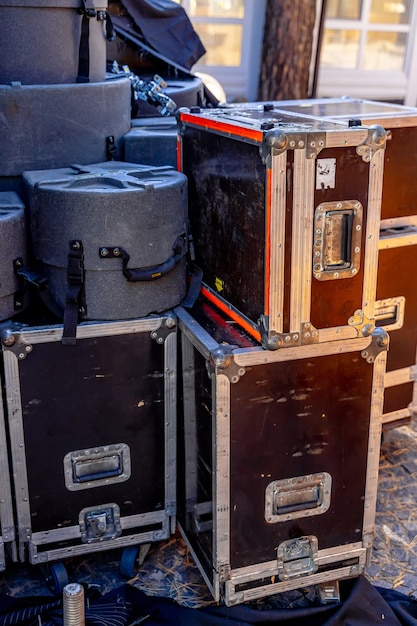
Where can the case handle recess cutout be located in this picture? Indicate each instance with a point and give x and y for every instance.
(337, 239)
(389, 313)
(301, 496)
(96, 467)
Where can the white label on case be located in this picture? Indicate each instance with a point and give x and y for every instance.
(326, 174)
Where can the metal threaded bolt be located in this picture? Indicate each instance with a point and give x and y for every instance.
(73, 605)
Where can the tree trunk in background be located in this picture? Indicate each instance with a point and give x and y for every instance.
(287, 49)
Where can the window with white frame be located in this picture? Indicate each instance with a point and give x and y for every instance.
(368, 48)
(231, 32)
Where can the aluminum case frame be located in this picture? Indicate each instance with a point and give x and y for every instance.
(221, 151)
(41, 544)
(7, 519)
(210, 528)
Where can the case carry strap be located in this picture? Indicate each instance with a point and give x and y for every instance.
(32, 280)
(74, 300)
(89, 12)
(147, 274)
(195, 277)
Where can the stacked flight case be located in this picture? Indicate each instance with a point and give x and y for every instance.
(283, 365)
(281, 455)
(286, 241)
(92, 435)
(89, 275)
(396, 306)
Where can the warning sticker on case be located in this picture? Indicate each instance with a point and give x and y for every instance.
(219, 284)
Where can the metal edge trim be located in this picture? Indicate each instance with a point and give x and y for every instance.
(354, 136)
(234, 597)
(231, 128)
(73, 532)
(34, 335)
(307, 233)
(199, 337)
(370, 263)
(17, 445)
(397, 377)
(398, 222)
(170, 417)
(6, 505)
(397, 241)
(414, 400)
(190, 417)
(277, 235)
(297, 244)
(337, 333)
(325, 557)
(214, 586)
(374, 444)
(387, 418)
(257, 356)
(42, 556)
(221, 470)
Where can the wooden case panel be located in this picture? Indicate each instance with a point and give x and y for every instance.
(101, 391)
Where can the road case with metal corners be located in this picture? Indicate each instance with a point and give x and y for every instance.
(92, 430)
(284, 214)
(400, 183)
(396, 311)
(281, 452)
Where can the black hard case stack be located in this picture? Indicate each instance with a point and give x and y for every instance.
(88, 409)
(282, 362)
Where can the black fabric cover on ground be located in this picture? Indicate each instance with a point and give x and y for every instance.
(362, 605)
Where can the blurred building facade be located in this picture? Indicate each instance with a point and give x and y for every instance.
(368, 47)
